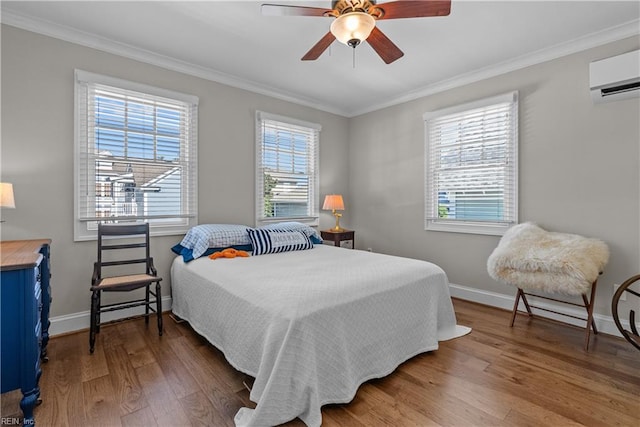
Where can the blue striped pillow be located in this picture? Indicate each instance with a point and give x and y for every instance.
(275, 241)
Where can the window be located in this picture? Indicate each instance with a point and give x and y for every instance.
(471, 166)
(135, 148)
(286, 169)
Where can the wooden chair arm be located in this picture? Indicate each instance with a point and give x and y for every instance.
(95, 277)
(152, 268)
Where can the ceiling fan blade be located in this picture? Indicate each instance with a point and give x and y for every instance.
(384, 47)
(284, 10)
(318, 48)
(414, 8)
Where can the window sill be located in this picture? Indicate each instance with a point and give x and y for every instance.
(310, 221)
(467, 227)
(82, 234)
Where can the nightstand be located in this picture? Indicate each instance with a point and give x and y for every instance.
(338, 236)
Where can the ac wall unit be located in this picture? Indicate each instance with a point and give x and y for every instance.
(615, 78)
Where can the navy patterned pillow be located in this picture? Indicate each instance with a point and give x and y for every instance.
(296, 226)
(275, 241)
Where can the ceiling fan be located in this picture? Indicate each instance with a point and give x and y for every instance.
(355, 22)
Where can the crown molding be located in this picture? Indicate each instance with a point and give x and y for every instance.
(589, 41)
(71, 35)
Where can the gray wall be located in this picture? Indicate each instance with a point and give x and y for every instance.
(37, 151)
(578, 162)
(578, 171)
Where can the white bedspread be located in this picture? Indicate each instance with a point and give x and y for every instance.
(311, 326)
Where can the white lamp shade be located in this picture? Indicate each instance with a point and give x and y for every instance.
(354, 25)
(333, 201)
(6, 195)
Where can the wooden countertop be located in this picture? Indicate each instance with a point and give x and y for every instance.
(19, 254)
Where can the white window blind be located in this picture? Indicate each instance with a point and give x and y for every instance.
(471, 161)
(135, 155)
(286, 169)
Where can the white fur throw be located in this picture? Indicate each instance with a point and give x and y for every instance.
(531, 258)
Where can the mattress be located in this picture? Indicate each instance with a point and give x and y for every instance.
(311, 326)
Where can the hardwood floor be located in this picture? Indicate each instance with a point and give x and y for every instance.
(534, 374)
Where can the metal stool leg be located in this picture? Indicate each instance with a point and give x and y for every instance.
(590, 322)
(519, 295)
(515, 307)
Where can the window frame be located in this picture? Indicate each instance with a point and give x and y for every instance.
(83, 224)
(510, 199)
(313, 216)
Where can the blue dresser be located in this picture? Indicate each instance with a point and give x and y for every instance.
(25, 298)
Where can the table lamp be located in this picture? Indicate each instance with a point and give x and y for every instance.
(6, 195)
(334, 203)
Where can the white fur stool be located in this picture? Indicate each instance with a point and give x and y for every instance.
(533, 259)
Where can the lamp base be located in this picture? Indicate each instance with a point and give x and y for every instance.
(337, 227)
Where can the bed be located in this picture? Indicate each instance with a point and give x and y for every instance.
(312, 325)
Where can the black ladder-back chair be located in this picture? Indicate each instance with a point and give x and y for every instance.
(137, 241)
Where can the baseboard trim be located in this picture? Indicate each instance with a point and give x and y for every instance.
(75, 322)
(604, 324)
(78, 321)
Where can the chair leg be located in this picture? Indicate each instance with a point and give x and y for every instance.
(526, 304)
(93, 321)
(146, 306)
(98, 312)
(592, 299)
(591, 324)
(158, 308)
(515, 306)
(519, 295)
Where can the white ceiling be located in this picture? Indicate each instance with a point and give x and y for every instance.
(231, 42)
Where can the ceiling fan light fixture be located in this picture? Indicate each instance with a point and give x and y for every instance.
(352, 28)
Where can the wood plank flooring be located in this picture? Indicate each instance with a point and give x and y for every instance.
(534, 374)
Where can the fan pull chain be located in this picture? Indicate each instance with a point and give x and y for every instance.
(354, 58)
